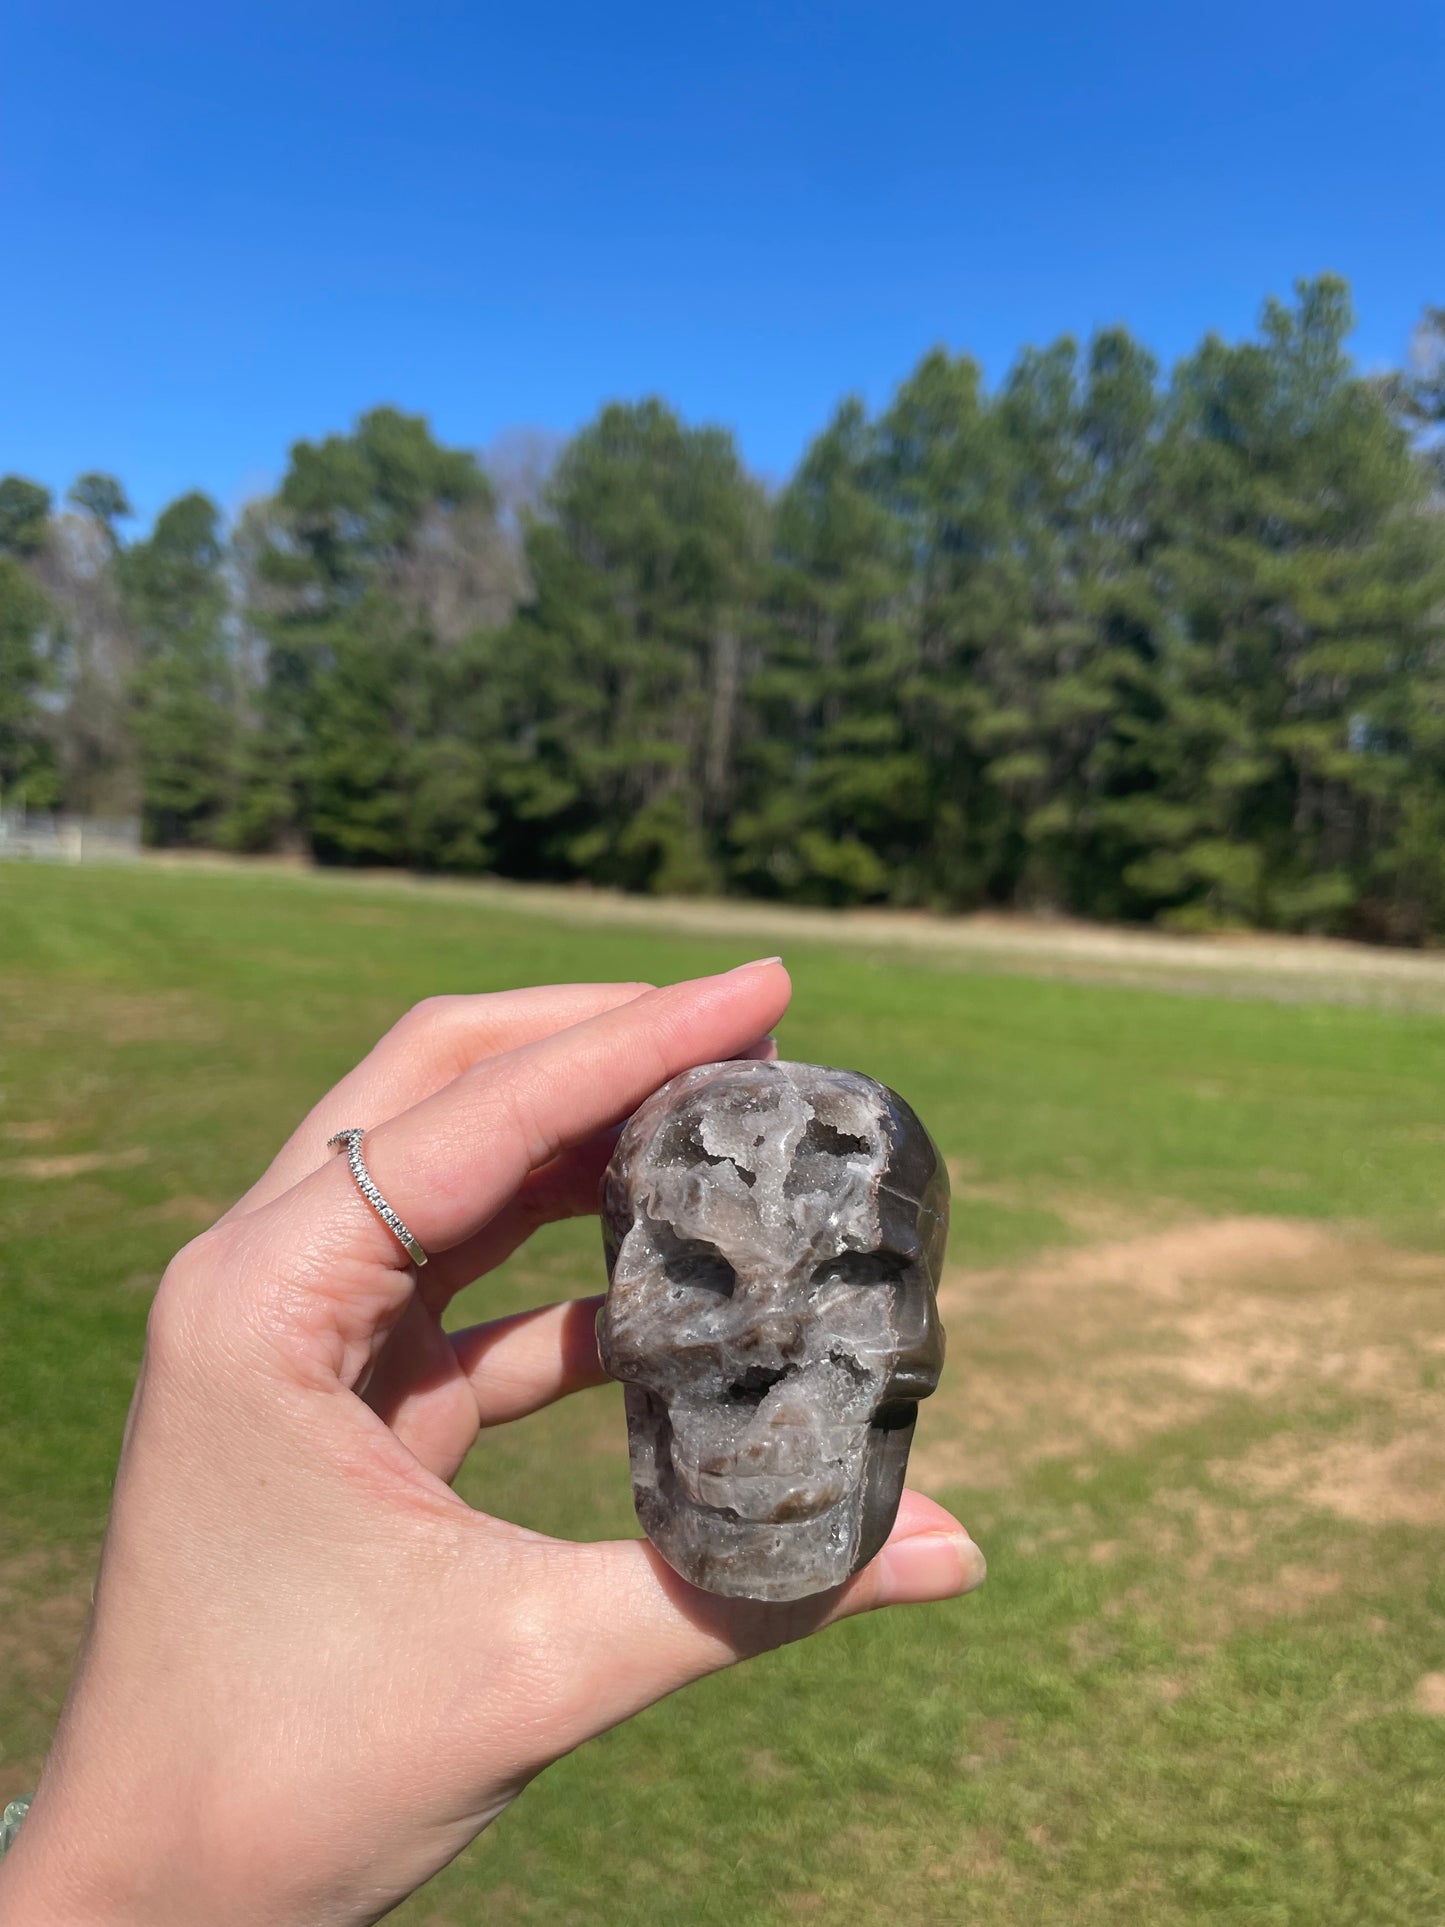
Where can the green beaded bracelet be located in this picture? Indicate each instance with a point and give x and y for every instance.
(10, 1824)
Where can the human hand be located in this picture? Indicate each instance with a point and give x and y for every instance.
(313, 1673)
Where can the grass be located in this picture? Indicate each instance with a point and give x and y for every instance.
(1195, 1412)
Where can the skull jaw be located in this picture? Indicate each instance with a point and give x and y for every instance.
(773, 1560)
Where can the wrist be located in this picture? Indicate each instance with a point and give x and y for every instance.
(80, 1861)
(48, 1877)
(73, 1864)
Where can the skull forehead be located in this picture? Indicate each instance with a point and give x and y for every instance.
(761, 1159)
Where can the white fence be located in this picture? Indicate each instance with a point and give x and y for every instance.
(46, 838)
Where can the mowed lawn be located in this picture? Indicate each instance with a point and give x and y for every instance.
(1194, 1411)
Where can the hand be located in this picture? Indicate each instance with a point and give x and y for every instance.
(313, 1673)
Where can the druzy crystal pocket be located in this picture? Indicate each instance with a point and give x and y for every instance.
(774, 1237)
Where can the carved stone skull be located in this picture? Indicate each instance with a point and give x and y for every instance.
(774, 1238)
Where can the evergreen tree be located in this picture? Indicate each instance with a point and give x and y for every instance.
(833, 787)
(24, 517)
(1303, 579)
(347, 756)
(1090, 642)
(945, 471)
(28, 776)
(1078, 686)
(174, 590)
(621, 683)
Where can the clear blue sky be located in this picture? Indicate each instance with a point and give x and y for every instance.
(223, 227)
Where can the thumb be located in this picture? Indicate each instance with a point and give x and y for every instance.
(638, 1631)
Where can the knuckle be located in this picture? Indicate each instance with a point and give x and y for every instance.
(429, 1018)
(171, 1321)
(186, 1298)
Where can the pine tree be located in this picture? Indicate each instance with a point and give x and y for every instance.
(832, 786)
(358, 586)
(1303, 577)
(174, 591)
(621, 683)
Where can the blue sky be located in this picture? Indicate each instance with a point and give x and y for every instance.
(223, 228)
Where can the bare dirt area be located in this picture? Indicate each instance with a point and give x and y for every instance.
(77, 1166)
(1096, 1349)
(1275, 1387)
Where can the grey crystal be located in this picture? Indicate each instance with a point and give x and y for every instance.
(774, 1237)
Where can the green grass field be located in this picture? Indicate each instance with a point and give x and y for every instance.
(1194, 1412)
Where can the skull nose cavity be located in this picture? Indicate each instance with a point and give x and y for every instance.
(755, 1384)
(694, 1265)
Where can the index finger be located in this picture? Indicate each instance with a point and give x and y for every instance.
(434, 1042)
(327, 1268)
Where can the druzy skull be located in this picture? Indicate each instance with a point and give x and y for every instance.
(774, 1236)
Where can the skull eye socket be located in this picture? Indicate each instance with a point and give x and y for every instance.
(861, 1268)
(694, 1265)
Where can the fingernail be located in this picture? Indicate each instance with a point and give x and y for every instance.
(934, 1565)
(756, 964)
(765, 1051)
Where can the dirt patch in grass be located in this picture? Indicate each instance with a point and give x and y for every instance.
(155, 1017)
(1395, 1481)
(1100, 1346)
(183, 1210)
(39, 1130)
(77, 1166)
(1327, 1340)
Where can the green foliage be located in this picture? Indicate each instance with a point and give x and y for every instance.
(620, 686)
(184, 703)
(1097, 641)
(24, 516)
(1306, 574)
(27, 761)
(102, 498)
(355, 751)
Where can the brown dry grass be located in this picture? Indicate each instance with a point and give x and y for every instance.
(1239, 963)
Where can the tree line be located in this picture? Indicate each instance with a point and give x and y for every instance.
(1097, 640)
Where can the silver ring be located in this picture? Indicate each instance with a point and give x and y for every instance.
(367, 1187)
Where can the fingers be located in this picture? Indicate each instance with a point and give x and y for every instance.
(437, 1390)
(325, 1276)
(517, 1365)
(422, 1403)
(420, 1390)
(635, 1631)
(433, 1043)
(565, 1188)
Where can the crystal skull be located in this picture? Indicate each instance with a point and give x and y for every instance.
(774, 1237)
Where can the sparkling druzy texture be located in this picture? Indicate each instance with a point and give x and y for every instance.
(774, 1237)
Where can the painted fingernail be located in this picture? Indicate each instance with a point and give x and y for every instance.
(756, 963)
(934, 1565)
